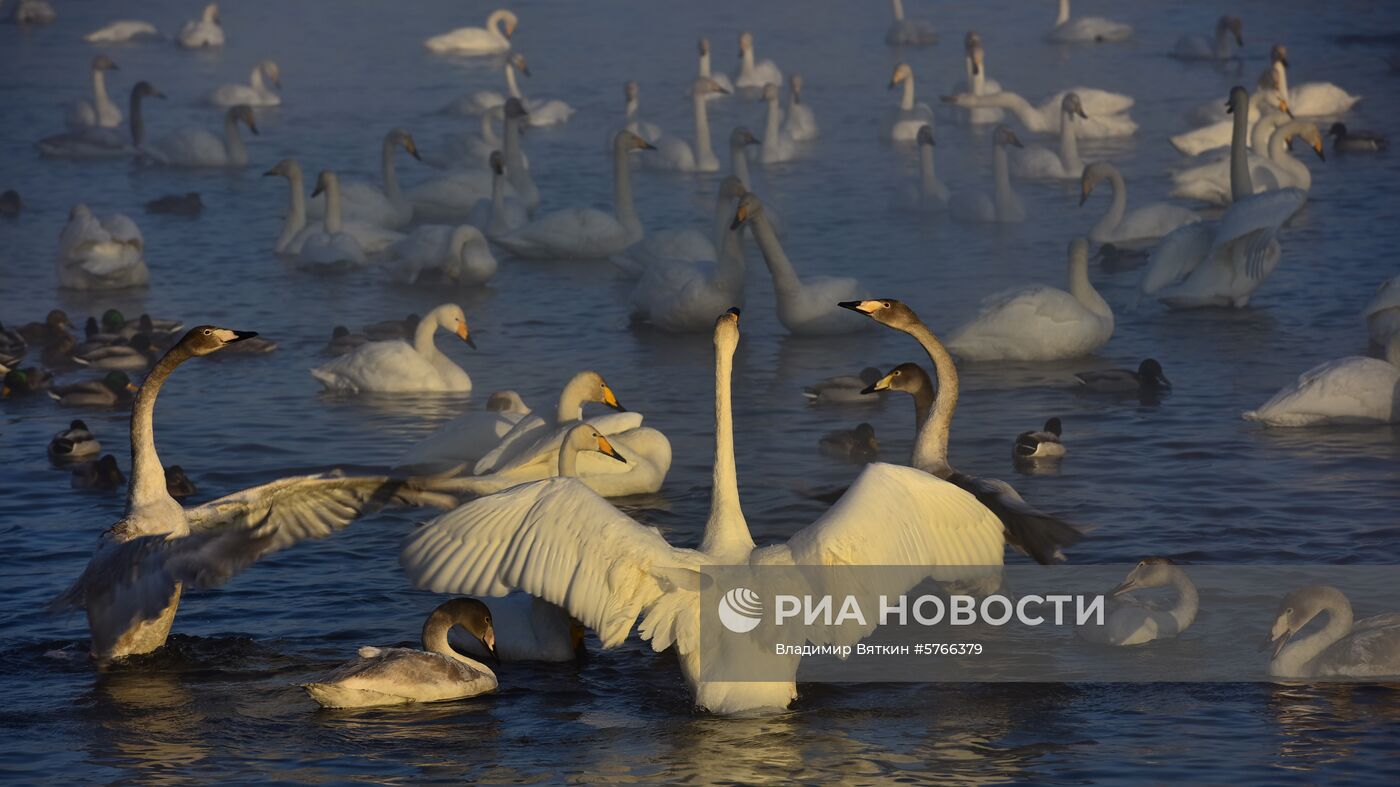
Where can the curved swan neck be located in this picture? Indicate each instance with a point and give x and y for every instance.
(1079, 285)
(1020, 107)
(296, 208)
(571, 399)
(423, 334)
(726, 528)
(704, 150)
(233, 142)
(388, 172)
(1278, 149)
(1116, 208)
(622, 191)
(568, 460)
(931, 444)
(147, 475)
(494, 22)
(1241, 185)
(435, 640)
(1296, 655)
(1063, 16)
(1069, 144)
(906, 101)
(785, 281)
(1188, 601)
(1263, 131)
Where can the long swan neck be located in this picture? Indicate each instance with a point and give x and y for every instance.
(147, 475)
(705, 63)
(785, 281)
(498, 203)
(726, 528)
(510, 132)
(568, 461)
(1188, 601)
(1241, 185)
(99, 89)
(772, 129)
(571, 401)
(622, 190)
(1081, 287)
(1069, 144)
(747, 59)
(333, 219)
(1117, 207)
(388, 171)
(423, 336)
(906, 102)
(1297, 654)
(510, 81)
(1278, 149)
(256, 79)
(931, 444)
(233, 142)
(1003, 176)
(296, 209)
(138, 124)
(435, 639)
(1019, 106)
(1063, 16)
(704, 150)
(739, 165)
(928, 179)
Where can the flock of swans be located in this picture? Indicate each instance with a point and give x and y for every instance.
(530, 527)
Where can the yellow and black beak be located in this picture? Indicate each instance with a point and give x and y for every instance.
(132, 387)
(1317, 147)
(239, 336)
(604, 447)
(610, 399)
(412, 149)
(882, 384)
(464, 336)
(740, 216)
(864, 307)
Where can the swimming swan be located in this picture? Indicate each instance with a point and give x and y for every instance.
(685, 246)
(1383, 312)
(368, 203)
(1352, 390)
(1117, 225)
(100, 111)
(197, 147)
(457, 255)
(255, 93)
(453, 197)
(398, 367)
(1129, 621)
(1312, 99)
(681, 296)
(296, 230)
(398, 676)
(499, 215)
(800, 123)
(122, 30)
(100, 254)
(1039, 323)
(202, 32)
(492, 39)
(1229, 33)
(1221, 133)
(1086, 29)
(328, 246)
(1344, 647)
(678, 154)
(909, 32)
(930, 195)
(131, 587)
(557, 540)
(1107, 112)
(703, 70)
(753, 75)
(976, 82)
(1279, 169)
(778, 145)
(805, 307)
(1003, 205)
(98, 142)
(631, 93)
(1042, 163)
(910, 116)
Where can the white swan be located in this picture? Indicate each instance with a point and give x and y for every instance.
(295, 230)
(907, 118)
(453, 197)
(754, 76)
(1229, 33)
(930, 195)
(1039, 323)
(801, 122)
(536, 431)
(1129, 621)
(455, 255)
(100, 254)
(1344, 647)
(1210, 183)
(198, 148)
(1220, 133)
(703, 70)
(682, 296)
(678, 154)
(368, 203)
(100, 111)
(1311, 99)
(492, 39)
(399, 676)
(1383, 312)
(517, 168)
(1042, 163)
(586, 233)
(632, 92)
(805, 307)
(685, 246)
(398, 367)
(202, 32)
(778, 145)
(557, 540)
(1353, 390)
(1117, 225)
(482, 101)
(255, 93)
(329, 246)
(976, 82)
(471, 150)
(33, 12)
(909, 32)
(1003, 205)
(1086, 29)
(499, 215)
(1107, 112)
(122, 30)
(98, 142)
(131, 588)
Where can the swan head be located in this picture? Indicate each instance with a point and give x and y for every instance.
(589, 386)
(770, 93)
(585, 437)
(925, 136)
(1309, 134)
(404, 140)
(1151, 376)
(795, 82)
(1235, 26)
(145, 90)
(205, 339)
(901, 73)
(498, 162)
(325, 181)
(514, 109)
(907, 377)
(1071, 105)
(1150, 572)
(749, 207)
(450, 316)
(745, 42)
(506, 402)
(1004, 136)
(211, 13)
(287, 168)
(741, 137)
(271, 72)
(104, 63)
(1278, 53)
(510, 20)
(731, 188)
(1299, 608)
(704, 46)
(727, 328)
(704, 86)
(631, 90)
(243, 114)
(472, 615)
(517, 62)
(1092, 175)
(975, 54)
(626, 141)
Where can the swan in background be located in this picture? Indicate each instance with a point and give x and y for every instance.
(720, 79)
(98, 142)
(1352, 390)
(977, 83)
(678, 154)
(1312, 99)
(1129, 621)
(754, 75)
(499, 215)
(930, 195)
(131, 588)
(329, 245)
(33, 12)
(586, 233)
(100, 254)
(909, 32)
(631, 91)
(801, 122)
(1117, 225)
(458, 255)
(1044, 445)
(100, 111)
(909, 116)
(122, 30)
(1042, 163)
(1003, 205)
(1148, 379)
(517, 169)
(199, 148)
(1220, 133)
(1107, 112)
(1383, 312)
(805, 308)
(1086, 29)
(564, 544)
(1039, 323)
(467, 437)
(1229, 33)
(295, 230)
(778, 145)
(682, 296)
(1346, 141)
(255, 93)
(398, 367)
(368, 203)
(1344, 647)
(482, 101)
(202, 32)
(1210, 183)
(400, 676)
(685, 245)
(455, 196)
(492, 39)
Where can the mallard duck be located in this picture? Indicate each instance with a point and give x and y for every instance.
(857, 445)
(23, 382)
(55, 325)
(12, 344)
(1147, 379)
(1042, 445)
(343, 341)
(1344, 141)
(112, 390)
(58, 353)
(188, 204)
(103, 475)
(74, 444)
(137, 354)
(178, 484)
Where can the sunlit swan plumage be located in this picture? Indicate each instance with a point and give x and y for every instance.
(98, 142)
(1311, 99)
(1117, 225)
(369, 203)
(456, 255)
(806, 307)
(295, 229)
(100, 111)
(399, 676)
(1210, 183)
(754, 75)
(131, 588)
(909, 32)
(1039, 323)
(1107, 112)
(1130, 621)
(198, 148)
(398, 367)
(255, 93)
(122, 30)
(1003, 205)
(681, 295)
(676, 153)
(100, 254)
(1344, 647)
(1383, 312)
(911, 115)
(586, 233)
(1220, 133)
(1042, 163)
(1353, 390)
(1086, 29)
(202, 32)
(1229, 33)
(492, 39)
(703, 70)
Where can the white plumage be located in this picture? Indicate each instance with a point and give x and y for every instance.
(100, 254)
(398, 367)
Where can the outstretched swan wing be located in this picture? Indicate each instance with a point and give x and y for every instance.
(1266, 211)
(556, 540)
(1179, 253)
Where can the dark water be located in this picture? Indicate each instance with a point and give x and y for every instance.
(1185, 478)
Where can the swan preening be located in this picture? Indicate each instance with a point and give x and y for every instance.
(203, 32)
(99, 142)
(1117, 225)
(100, 254)
(295, 229)
(1129, 621)
(398, 367)
(1354, 390)
(1039, 323)
(131, 587)
(492, 39)
(255, 93)
(1229, 33)
(910, 115)
(1086, 29)
(1003, 205)
(199, 148)
(368, 203)
(100, 111)
(398, 676)
(909, 32)
(1343, 647)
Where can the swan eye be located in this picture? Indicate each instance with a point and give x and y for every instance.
(886, 304)
(208, 332)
